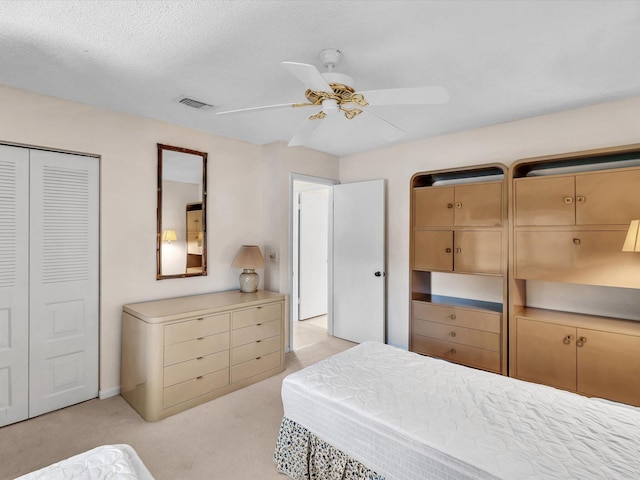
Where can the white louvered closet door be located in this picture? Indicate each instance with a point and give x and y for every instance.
(63, 351)
(14, 284)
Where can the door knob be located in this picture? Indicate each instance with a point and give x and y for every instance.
(378, 274)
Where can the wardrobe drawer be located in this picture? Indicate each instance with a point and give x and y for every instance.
(253, 316)
(463, 317)
(260, 331)
(456, 334)
(255, 349)
(196, 328)
(180, 352)
(184, 391)
(464, 354)
(197, 367)
(255, 367)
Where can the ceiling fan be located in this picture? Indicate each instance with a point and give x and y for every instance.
(333, 92)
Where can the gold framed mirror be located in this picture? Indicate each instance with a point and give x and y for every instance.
(181, 248)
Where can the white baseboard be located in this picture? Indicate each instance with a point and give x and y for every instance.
(112, 392)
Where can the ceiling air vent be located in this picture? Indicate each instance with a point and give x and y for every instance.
(190, 102)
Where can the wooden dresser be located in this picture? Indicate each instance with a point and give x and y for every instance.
(181, 352)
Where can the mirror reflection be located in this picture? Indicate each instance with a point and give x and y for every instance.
(181, 247)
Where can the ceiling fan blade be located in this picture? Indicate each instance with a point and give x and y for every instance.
(253, 109)
(303, 135)
(309, 75)
(380, 126)
(428, 95)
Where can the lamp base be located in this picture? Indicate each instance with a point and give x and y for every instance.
(249, 280)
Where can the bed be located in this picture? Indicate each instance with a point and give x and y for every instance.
(107, 462)
(377, 412)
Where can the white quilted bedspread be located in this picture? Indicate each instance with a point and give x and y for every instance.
(411, 417)
(107, 462)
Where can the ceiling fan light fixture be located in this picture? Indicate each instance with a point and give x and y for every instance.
(330, 106)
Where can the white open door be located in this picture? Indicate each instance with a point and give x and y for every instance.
(313, 248)
(359, 286)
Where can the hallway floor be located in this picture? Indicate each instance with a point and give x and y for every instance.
(309, 332)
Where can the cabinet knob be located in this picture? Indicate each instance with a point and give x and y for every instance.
(458, 250)
(453, 316)
(452, 351)
(567, 340)
(449, 205)
(576, 241)
(581, 341)
(581, 199)
(453, 334)
(447, 250)
(568, 200)
(458, 204)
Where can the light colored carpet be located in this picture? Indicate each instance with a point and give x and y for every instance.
(231, 437)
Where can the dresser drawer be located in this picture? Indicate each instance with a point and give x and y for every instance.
(456, 334)
(181, 392)
(255, 349)
(255, 367)
(253, 316)
(192, 329)
(197, 367)
(260, 331)
(464, 317)
(180, 352)
(475, 357)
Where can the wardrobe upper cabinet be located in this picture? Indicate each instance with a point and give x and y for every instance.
(462, 251)
(591, 198)
(461, 205)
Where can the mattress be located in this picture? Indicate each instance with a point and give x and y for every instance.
(107, 462)
(409, 417)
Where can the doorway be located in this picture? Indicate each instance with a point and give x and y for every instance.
(310, 253)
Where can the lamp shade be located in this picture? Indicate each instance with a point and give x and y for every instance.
(632, 242)
(248, 257)
(169, 236)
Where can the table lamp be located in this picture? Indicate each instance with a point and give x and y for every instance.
(248, 258)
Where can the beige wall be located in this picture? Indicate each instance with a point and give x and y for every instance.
(247, 202)
(615, 123)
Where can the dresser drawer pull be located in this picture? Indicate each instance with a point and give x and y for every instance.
(199, 358)
(576, 241)
(258, 358)
(200, 338)
(453, 334)
(452, 351)
(258, 324)
(453, 316)
(199, 378)
(258, 308)
(258, 341)
(200, 319)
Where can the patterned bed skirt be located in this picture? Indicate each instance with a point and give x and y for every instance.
(303, 456)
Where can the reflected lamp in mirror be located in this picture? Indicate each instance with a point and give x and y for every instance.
(169, 236)
(632, 242)
(249, 257)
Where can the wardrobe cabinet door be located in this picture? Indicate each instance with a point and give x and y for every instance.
(545, 256)
(545, 201)
(609, 198)
(433, 206)
(14, 284)
(546, 353)
(433, 250)
(609, 365)
(478, 251)
(478, 205)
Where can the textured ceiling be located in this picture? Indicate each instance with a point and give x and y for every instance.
(501, 61)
